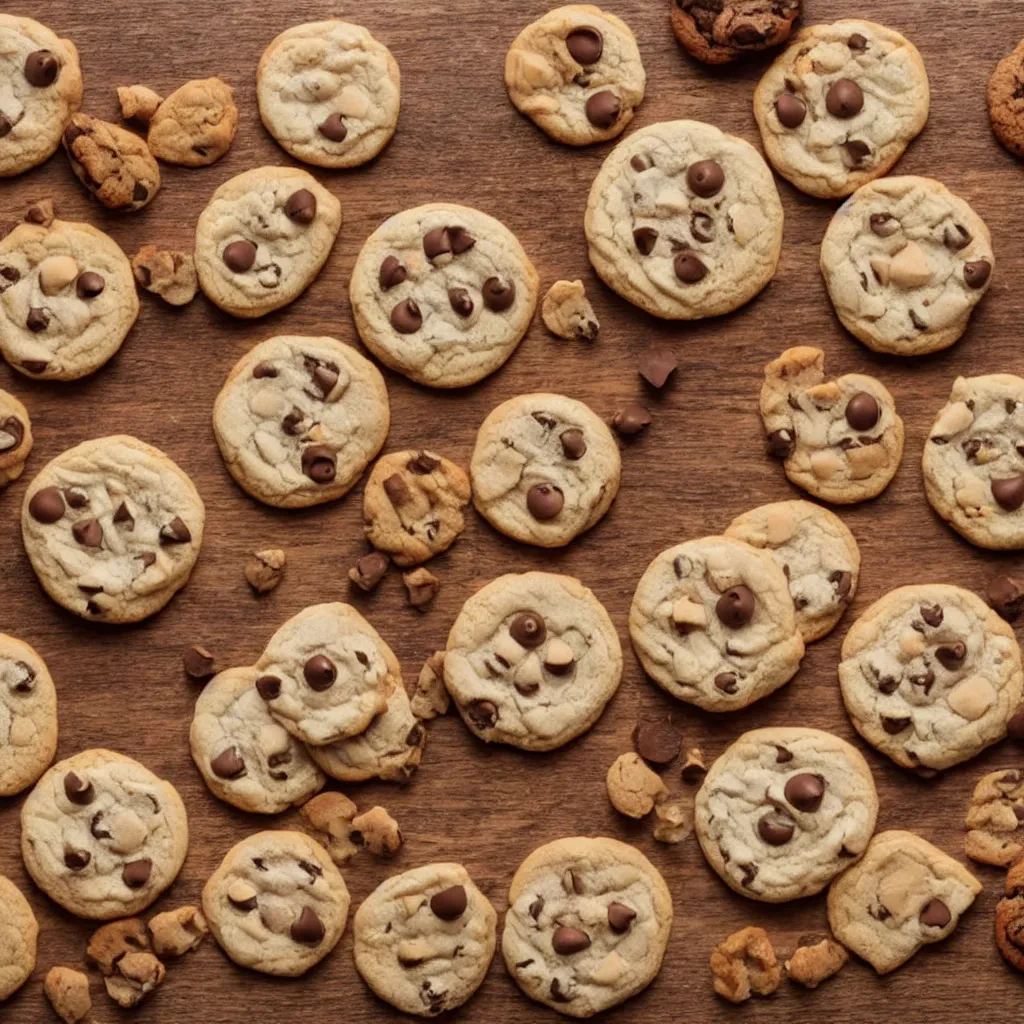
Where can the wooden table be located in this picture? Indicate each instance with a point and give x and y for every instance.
(699, 464)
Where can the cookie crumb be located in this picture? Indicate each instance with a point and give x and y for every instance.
(815, 959)
(264, 569)
(631, 419)
(422, 586)
(138, 102)
(656, 365)
(136, 975)
(567, 312)
(177, 932)
(169, 273)
(68, 992)
(675, 820)
(431, 698)
(112, 942)
(369, 570)
(378, 832)
(199, 664)
(40, 213)
(330, 815)
(633, 788)
(744, 965)
(694, 769)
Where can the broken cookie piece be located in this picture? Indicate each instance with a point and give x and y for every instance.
(694, 769)
(134, 977)
(264, 569)
(40, 213)
(138, 102)
(330, 815)
(744, 965)
(431, 698)
(112, 942)
(177, 932)
(115, 166)
(422, 586)
(675, 820)
(815, 959)
(195, 125)
(68, 992)
(995, 818)
(166, 272)
(377, 831)
(633, 788)
(567, 312)
(369, 570)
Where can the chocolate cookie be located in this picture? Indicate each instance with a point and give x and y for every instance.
(720, 31)
(1006, 101)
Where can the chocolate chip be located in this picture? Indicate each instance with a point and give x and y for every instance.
(41, 68)
(857, 43)
(227, 764)
(885, 225)
(460, 301)
(689, 267)
(239, 256)
(781, 443)
(175, 532)
(482, 713)
(136, 873)
(333, 128)
(805, 791)
(956, 237)
(644, 240)
(263, 370)
(5, 126)
(528, 630)
(620, 917)
(631, 419)
(498, 295)
(656, 741)
(845, 98)
(976, 273)
(705, 178)
(450, 904)
(369, 570)
(423, 464)
(391, 273)
(77, 859)
(936, 914)
(325, 377)
(1006, 595)
(565, 941)
(1009, 492)
(656, 365)
(951, 656)
(46, 505)
(320, 673)
(301, 206)
(397, 490)
(268, 687)
(199, 663)
(555, 989)
(603, 109)
(308, 929)
(76, 499)
(574, 444)
(536, 907)
(436, 243)
(406, 317)
(544, 501)
(88, 533)
(932, 614)
(893, 725)
(776, 828)
(735, 608)
(37, 320)
(78, 790)
(460, 240)
(702, 227)
(727, 682)
(862, 411)
(638, 163)
(857, 150)
(89, 284)
(319, 463)
(139, 193)
(291, 423)
(585, 45)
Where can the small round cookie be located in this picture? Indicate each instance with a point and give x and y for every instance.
(424, 939)
(1006, 101)
(443, 293)
(905, 262)
(783, 811)
(721, 31)
(815, 550)
(930, 675)
(587, 924)
(42, 88)
(19, 935)
(532, 660)
(577, 74)
(839, 440)
(195, 125)
(545, 468)
(67, 299)
(113, 529)
(115, 165)
(840, 105)
(972, 461)
(277, 904)
(684, 221)
(262, 239)
(15, 438)
(102, 835)
(299, 419)
(28, 716)
(713, 623)
(995, 818)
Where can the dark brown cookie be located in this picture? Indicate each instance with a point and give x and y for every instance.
(720, 31)
(1006, 101)
(113, 164)
(1010, 917)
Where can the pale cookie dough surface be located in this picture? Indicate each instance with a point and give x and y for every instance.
(424, 939)
(856, 95)
(930, 675)
(905, 262)
(28, 716)
(567, 312)
(840, 440)
(601, 902)
(19, 933)
(684, 221)
(995, 818)
(67, 299)
(195, 125)
(785, 810)
(903, 895)
(713, 623)
(102, 835)
(532, 660)
(15, 437)
(443, 293)
(277, 904)
(113, 529)
(329, 93)
(276, 239)
(815, 550)
(577, 74)
(545, 468)
(299, 419)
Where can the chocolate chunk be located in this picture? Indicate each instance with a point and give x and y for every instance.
(842, 581)
(644, 240)
(35, 365)
(333, 128)
(199, 663)
(1006, 595)
(656, 365)
(308, 929)
(735, 608)
(5, 125)
(460, 301)
(175, 532)
(656, 741)
(482, 713)
(77, 859)
(139, 193)
(585, 45)
(450, 904)
(555, 989)
(936, 914)
(932, 614)
(1009, 492)
(460, 240)
(136, 873)
(227, 764)
(956, 237)
(544, 501)
(805, 791)
(436, 243)
(536, 907)
(565, 941)
(631, 419)
(262, 370)
(369, 570)
(47, 505)
(776, 828)
(239, 256)
(862, 411)
(391, 273)
(857, 150)
(845, 98)
(291, 423)
(88, 533)
(727, 682)
(781, 443)
(406, 317)
(268, 687)
(498, 295)
(976, 273)
(78, 790)
(689, 267)
(36, 321)
(893, 725)
(951, 656)
(705, 178)
(791, 110)
(301, 206)
(574, 444)
(857, 43)
(423, 464)
(320, 673)
(325, 377)
(620, 917)
(89, 284)
(319, 463)
(41, 68)
(397, 490)
(528, 630)
(603, 109)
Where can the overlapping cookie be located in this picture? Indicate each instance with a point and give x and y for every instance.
(15, 438)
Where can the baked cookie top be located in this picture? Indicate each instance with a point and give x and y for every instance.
(114, 165)
(19, 934)
(1006, 100)
(15, 437)
(195, 125)
(720, 31)
(28, 716)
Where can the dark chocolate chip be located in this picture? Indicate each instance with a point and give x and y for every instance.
(705, 178)
(301, 206)
(89, 284)
(656, 365)
(406, 317)
(735, 608)
(268, 687)
(805, 791)
(781, 443)
(227, 764)
(41, 68)
(239, 256)
(88, 533)
(544, 501)
(397, 490)
(935, 914)
(136, 873)
(1009, 492)
(450, 904)
(976, 273)
(78, 790)
(656, 741)
(369, 570)
(574, 444)
(319, 463)
(1006, 595)
(631, 419)
(320, 673)
(857, 150)
(46, 505)
(884, 224)
(565, 941)
(528, 630)
(857, 43)
(689, 267)
(894, 725)
(585, 45)
(175, 532)
(308, 929)
(727, 682)
(862, 411)
(776, 828)
(603, 109)
(951, 656)
(262, 370)
(620, 917)
(391, 273)
(482, 713)
(37, 320)
(199, 663)
(845, 98)
(644, 240)
(498, 295)
(333, 128)
(77, 859)
(423, 464)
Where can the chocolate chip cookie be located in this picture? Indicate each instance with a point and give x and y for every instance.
(720, 31)
(1006, 101)
(115, 165)
(195, 125)
(15, 438)
(19, 934)
(995, 818)
(28, 716)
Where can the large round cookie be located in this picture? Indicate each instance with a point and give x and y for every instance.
(443, 293)
(783, 811)
(19, 933)
(1006, 101)
(684, 221)
(28, 716)
(930, 675)
(721, 31)
(15, 438)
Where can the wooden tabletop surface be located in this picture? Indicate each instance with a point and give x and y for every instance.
(699, 464)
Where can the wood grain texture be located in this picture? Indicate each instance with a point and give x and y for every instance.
(700, 464)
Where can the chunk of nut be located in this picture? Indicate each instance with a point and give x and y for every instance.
(136, 975)
(113, 941)
(972, 698)
(815, 959)
(567, 312)
(825, 464)
(430, 698)
(824, 395)
(56, 273)
(68, 992)
(241, 892)
(264, 569)
(330, 814)
(954, 419)
(744, 965)
(378, 832)
(687, 612)
(909, 267)
(177, 932)
(780, 526)
(632, 787)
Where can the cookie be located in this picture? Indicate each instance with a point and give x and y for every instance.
(994, 818)
(577, 74)
(15, 437)
(545, 468)
(299, 418)
(1006, 101)
(532, 660)
(102, 835)
(930, 675)
(684, 221)
(840, 105)
(169, 273)
(245, 757)
(262, 239)
(785, 810)
(277, 904)
(138, 102)
(839, 440)
(443, 293)
(745, 964)
(42, 89)
(425, 938)
(329, 93)
(28, 716)
(1010, 917)
(113, 529)
(721, 31)
(905, 262)
(815, 550)
(195, 125)
(972, 461)
(115, 165)
(587, 924)
(903, 895)
(67, 299)
(712, 623)
(19, 933)
(567, 312)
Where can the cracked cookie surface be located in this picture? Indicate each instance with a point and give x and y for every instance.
(995, 818)
(15, 437)
(720, 31)
(115, 165)
(19, 934)
(195, 125)
(28, 716)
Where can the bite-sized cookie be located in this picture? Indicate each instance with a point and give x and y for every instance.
(720, 31)
(262, 239)
(113, 529)
(195, 125)
(839, 440)
(577, 74)
(532, 660)
(587, 924)
(815, 550)
(840, 105)
(745, 964)
(28, 716)
(1010, 917)
(115, 165)
(545, 468)
(329, 93)
(995, 818)
(19, 933)
(905, 262)
(138, 102)
(783, 811)
(1006, 101)
(102, 835)
(299, 419)
(443, 293)
(567, 312)
(67, 299)
(15, 438)
(425, 938)
(684, 221)
(42, 88)
(903, 895)
(930, 675)
(277, 904)
(169, 273)
(713, 623)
